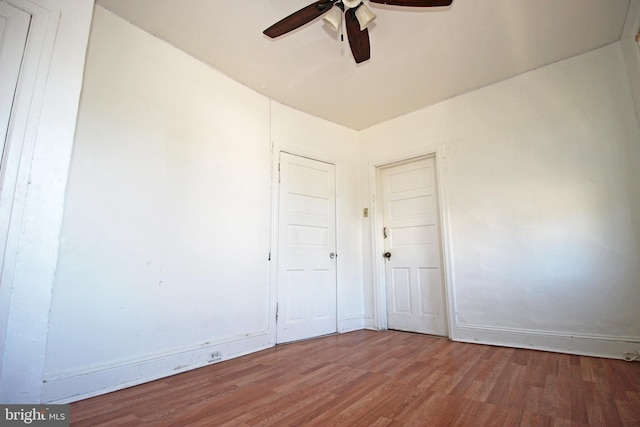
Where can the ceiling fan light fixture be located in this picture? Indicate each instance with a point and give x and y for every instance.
(357, 17)
(350, 4)
(333, 18)
(365, 16)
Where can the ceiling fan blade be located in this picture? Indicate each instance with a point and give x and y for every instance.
(358, 40)
(299, 18)
(414, 3)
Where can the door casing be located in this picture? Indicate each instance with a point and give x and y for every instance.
(377, 247)
(21, 140)
(274, 255)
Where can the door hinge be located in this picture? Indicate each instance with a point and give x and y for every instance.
(269, 259)
(278, 173)
(277, 308)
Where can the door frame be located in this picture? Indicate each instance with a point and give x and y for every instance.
(276, 151)
(21, 140)
(377, 246)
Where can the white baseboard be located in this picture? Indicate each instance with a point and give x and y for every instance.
(585, 345)
(71, 386)
(370, 323)
(352, 323)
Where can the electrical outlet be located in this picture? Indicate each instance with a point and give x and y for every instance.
(216, 355)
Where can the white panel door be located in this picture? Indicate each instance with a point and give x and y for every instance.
(14, 28)
(412, 253)
(306, 249)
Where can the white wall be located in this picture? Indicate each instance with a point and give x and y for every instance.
(541, 186)
(167, 226)
(42, 137)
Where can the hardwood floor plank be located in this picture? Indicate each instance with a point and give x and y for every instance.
(330, 412)
(388, 378)
(534, 400)
(549, 396)
(629, 409)
(532, 419)
(310, 399)
(372, 406)
(578, 404)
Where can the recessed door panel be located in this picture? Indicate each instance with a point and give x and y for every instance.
(430, 285)
(410, 180)
(411, 207)
(323, 295)
(295, 284)
(307, 236)
(401, 286)
(301, 204)
(416, 235)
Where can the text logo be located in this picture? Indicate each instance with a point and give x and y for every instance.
(34, 415)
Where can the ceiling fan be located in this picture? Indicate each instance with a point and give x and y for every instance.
(357, 18)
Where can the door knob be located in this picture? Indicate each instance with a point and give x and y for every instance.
(387, 255)
(332, 255)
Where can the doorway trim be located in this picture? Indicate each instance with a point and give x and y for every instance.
(377, 245)
(276, 150)
(21, 141)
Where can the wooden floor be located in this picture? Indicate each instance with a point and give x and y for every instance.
(389, 378)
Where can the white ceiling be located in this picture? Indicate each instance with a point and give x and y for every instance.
(419, 56)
